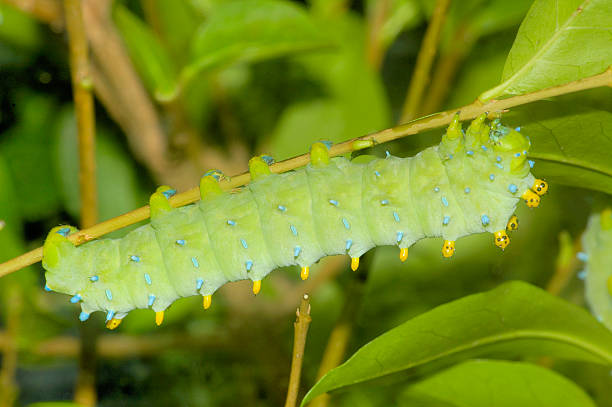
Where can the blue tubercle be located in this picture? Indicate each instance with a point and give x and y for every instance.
(469, 152)
(83, 316)
(76, 299)
(498, 165)
(582, 274)
(180, 242)
(195, 262)
(296, 251)
(492, 177)
(349, 243)
(444, 201)
(498, 159)
(346, 223)
(327, 143)
(400, 236)
(377, 173)
(243, 243)
(446, 220)
(512, 188)
(109, 294)
(231, 222)
(267, 159)
(384, 202)
(484, 148)
(436, 189)
(333, 202)
(63, 231)
(147, 278)
(248, 265)
(110, 314)
(582, 256)
(47, 288)
(281, 208)
(169, 193)
(517, 154)
(135, 258)
(151, 300)
(531, 163)
(485, 220)
(199, 283)
(93, 279)
(396, 216)
(293, 230)
(467, 190)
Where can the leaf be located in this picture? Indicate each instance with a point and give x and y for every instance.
(571, 144)
(514, 319)
(558, 42)
(150, 58)
(485, 383)
(251, 30)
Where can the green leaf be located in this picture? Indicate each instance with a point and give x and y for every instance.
(558, 42)
(18, 29)
(571, 144)
(150, 58)
(55, 404)
(251, 30)
(485, 383)
(513, 319)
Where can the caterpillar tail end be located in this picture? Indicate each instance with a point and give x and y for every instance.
(531, 198)
(256, 287)
(304, 273)
(206, 301)
(540, 187)
(501, 239)
(113, 323)
(512, 223)
(354, 263)
(159, 317)
(448, 248)
(403, 254)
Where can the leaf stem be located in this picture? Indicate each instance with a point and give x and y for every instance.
(299, 343)
(425, 123)
(427, 53)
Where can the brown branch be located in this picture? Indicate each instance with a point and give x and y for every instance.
(299, 343)
(427, 53)
(85, 387)
(46, 11)
(426, 123)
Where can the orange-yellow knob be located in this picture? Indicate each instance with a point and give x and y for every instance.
(512, 223)
(531, 198)
(304, 273)
(403, 254)
(448, 248)
(159, 317)
(501, 239)
(207, 300)
(113, 323)
(354, 263)
(540, 186)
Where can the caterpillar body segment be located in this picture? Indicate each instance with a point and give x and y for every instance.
(597, 244)
(470, 183)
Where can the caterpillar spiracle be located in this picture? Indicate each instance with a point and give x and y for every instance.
(470, 183)
(597, 243)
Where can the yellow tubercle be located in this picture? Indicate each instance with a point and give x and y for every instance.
(258, 168)
(448, 248)
(206, 301)
(609, 284)
(540, 186)
(209, 187)
(158, 202)
(501, 239)
(304, 273)
(57, 245)
(319, 156)
(403, 254)
(512, 223)
(113, 323)
(159, 317)
(454, 130)
(354, 263)
(256, 287)
(531, 198)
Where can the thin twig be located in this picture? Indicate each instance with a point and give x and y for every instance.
(426, 123)
(338, 341)
(85, 387)
(377, 14)
(300, 327)
(427, 53)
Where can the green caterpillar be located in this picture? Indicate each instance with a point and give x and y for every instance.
(469, 183)
(597, 242)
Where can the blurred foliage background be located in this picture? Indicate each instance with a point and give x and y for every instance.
(183, 86)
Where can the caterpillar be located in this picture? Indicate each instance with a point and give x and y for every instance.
(597, 242)
(470, 183)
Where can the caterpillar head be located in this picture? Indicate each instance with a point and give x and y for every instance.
(512, 144)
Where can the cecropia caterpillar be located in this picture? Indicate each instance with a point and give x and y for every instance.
(597, 244)
(469, 183)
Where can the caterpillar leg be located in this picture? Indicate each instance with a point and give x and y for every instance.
(512, 223)
(540, 186)
(354, 263)
(531, 198)
(501, 239)
(113, 323)
(403, 254)
(159, 317)
(206, 301)
(304, 273)
(256, 287)
(448, 248)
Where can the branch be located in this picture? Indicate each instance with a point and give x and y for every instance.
(427, 53)
(467, 112)
(299, 342)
